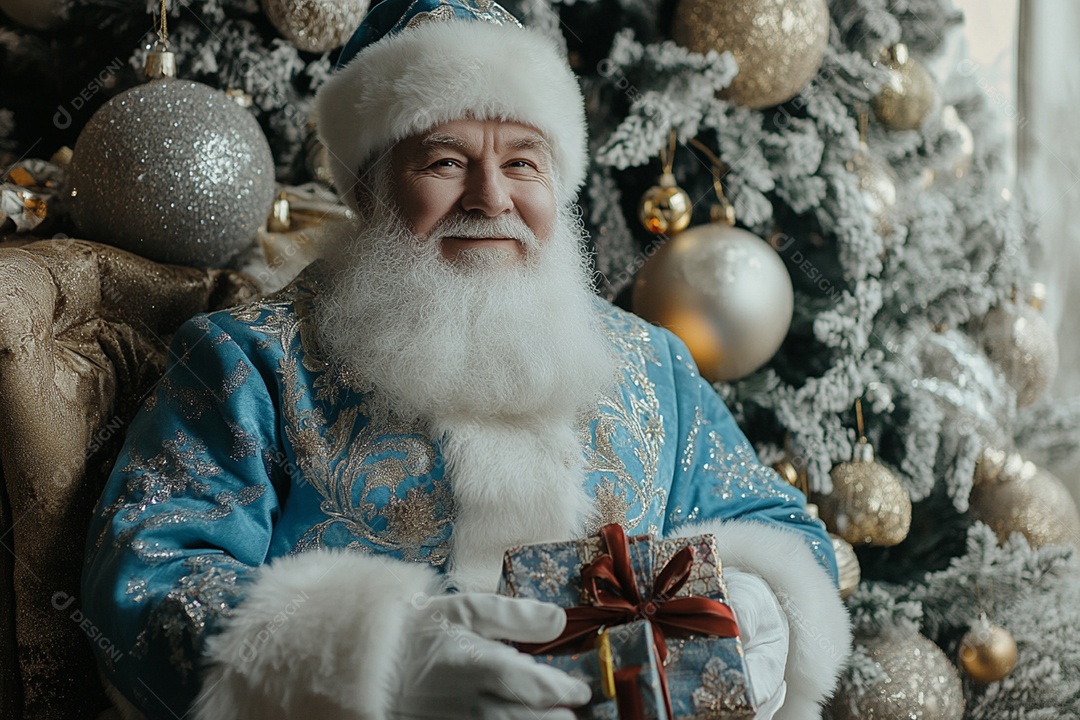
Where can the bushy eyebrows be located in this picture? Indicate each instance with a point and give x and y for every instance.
(442, 140)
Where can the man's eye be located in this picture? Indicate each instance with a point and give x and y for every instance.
(520, 164)
(444, 163)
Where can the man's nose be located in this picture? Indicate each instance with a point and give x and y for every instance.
(486, 191)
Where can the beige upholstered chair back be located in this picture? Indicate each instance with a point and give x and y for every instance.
(84, 332)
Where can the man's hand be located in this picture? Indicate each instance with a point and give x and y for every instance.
(763, 627)
(453, 665)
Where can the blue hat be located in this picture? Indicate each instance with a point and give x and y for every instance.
(415, 64)
(392, 16)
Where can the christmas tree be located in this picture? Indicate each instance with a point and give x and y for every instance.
(893, 363)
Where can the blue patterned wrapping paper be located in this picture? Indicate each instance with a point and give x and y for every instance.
(706, 675)
(631, 645)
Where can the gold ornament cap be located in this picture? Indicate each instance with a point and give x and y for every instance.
(160, 63)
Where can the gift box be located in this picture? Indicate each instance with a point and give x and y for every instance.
(674, 586)
(622, 673)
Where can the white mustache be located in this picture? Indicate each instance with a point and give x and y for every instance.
(462, 225)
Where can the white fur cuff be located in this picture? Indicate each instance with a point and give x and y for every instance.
(317, 635)
(819, 627)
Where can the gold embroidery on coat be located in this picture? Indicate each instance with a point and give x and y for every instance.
(639, 418)
(361, 448)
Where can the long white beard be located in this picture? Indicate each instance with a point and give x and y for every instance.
(498, 359)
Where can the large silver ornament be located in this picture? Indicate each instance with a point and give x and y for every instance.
(725, 292)
(315, 25)
(919, 682)
(172, 170)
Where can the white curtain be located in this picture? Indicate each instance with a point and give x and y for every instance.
(1048, 142)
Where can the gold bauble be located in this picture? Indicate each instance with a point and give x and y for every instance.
(847, 565)
(1019, 340)
(907, 97)
(867, 505)
(918, 683)
(877, 184)
(665, 208)
(315, 25)
(987, 652)
(725, 292)
(1013, 495)
(778, 44)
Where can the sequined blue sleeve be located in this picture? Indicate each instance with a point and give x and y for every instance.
(184, 519)
(718, 475)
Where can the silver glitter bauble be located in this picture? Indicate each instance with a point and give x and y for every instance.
(919, 683)
(778, 44)
(36, 14)
(1018, 340)
(725, 292)
(315, 25)
(174, 171)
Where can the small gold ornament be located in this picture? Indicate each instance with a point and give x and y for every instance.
(916, 682)
(778, 44)
(987, 652)
(1019, 340)
(907, 97)
(665, 208)
(315, 25)
(867, 505)
(1011, 495)
(724, 291)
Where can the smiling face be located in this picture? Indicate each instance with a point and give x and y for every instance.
(475, 169)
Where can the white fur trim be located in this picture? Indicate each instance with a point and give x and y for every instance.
(317, 635)
(818, 621)
(410, 82)
(512, 485)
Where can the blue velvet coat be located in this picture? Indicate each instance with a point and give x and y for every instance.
(253, 447)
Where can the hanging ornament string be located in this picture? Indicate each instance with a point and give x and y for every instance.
(160, 61)
(864, 122)
(859, 420)
(667, 157)
(163, 26)
(726, 211)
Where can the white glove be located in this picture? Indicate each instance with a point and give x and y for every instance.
(763, 627)
(452, 665)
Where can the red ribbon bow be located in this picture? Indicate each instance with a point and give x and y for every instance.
(611, 585)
